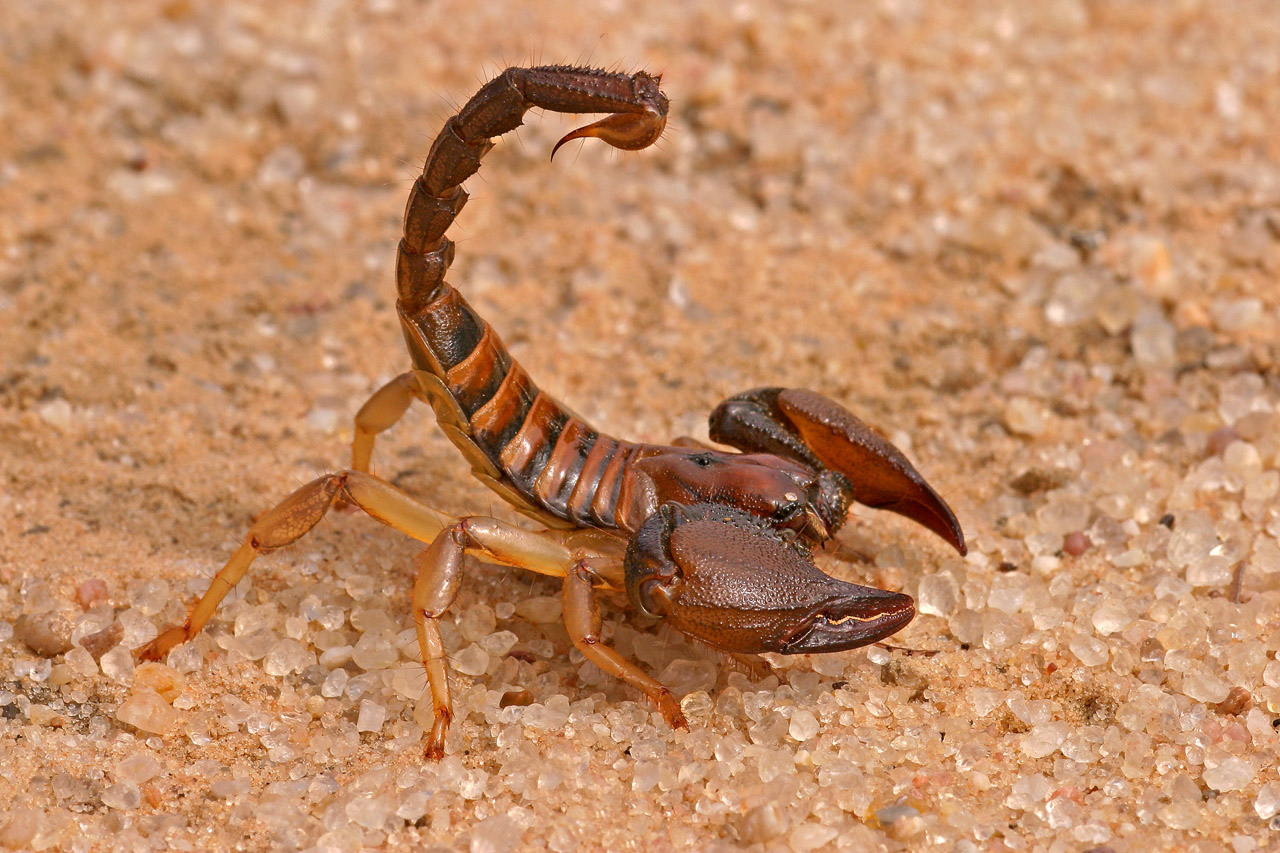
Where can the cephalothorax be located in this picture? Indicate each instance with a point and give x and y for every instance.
(717, 543)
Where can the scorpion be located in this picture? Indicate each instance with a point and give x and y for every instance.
(718, 543)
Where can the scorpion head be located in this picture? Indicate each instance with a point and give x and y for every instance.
(730, 580)
(781, 493)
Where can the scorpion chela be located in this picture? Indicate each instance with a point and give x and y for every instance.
(718, 543)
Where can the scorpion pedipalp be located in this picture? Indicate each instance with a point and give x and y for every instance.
(807, 427)
(724, 577)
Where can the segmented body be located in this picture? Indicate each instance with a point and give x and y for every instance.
(520, 440)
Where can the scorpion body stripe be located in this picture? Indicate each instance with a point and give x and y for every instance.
(563, 469)
(584, 491)
(474, 380)
(604, 505)
(498, 421)
(525, 456)
(450, 327)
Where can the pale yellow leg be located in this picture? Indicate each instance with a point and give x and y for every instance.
(387, 405)
(582, 620)
(290, 520)
(436, 587)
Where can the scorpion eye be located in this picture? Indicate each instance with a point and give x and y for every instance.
(702, 460)
(788, 510)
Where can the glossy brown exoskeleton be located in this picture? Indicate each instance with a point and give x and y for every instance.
(717, 543)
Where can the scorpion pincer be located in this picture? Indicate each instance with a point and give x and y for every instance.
(717, 543)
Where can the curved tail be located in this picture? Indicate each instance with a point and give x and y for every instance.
(521, 441)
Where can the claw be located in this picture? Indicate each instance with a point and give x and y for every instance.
(726, 578)
(810, 428)
(627, 131)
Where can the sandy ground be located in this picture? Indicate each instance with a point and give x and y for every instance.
(1036, 243)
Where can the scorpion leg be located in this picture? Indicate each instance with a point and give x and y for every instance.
(287, 522)
(856, 461)
(582, 620)
(379, 413)
(439, 573)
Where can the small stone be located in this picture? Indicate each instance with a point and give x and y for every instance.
(495, 834)
(1074, 298)
(1076, 543)
(1237, 315)
(146, 710)
(472, 660)
(117, 665)
(137, 769)
(548, 717)
(1220, 439)
(1024, 417)
(286, 657)
(1237, 702)
(409, 680)
(1203, 687)
(1111, 618)
(1180, 815)
(1009, 599)
(1001, 630)
(91, 592)
(540, 608)
(99, 643)
(811, 836)
(769, 730)
(1267, 804)
(985, 700)
(498, 643)
(1065, 514)
(375, 650)
(516, 699)
(475, 622)
(323, 420)
(20, 827)
(372, 716)
(1153, 339)
(56, 413)
(1090, 651)
(227, 789)
(335, 683)
(1044, 739)
(165, 680)
(1151, 267)
(1028, 792)
(370, 810)
(804, 725)
(1232, 774)
(150, 597)
(283, 165)
(688, 676)
(761, 823)
(1193, 538)
(254, 619)
(82, 662)
(938, 595)
(47, 634)
(122, 796)
(336, 657)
